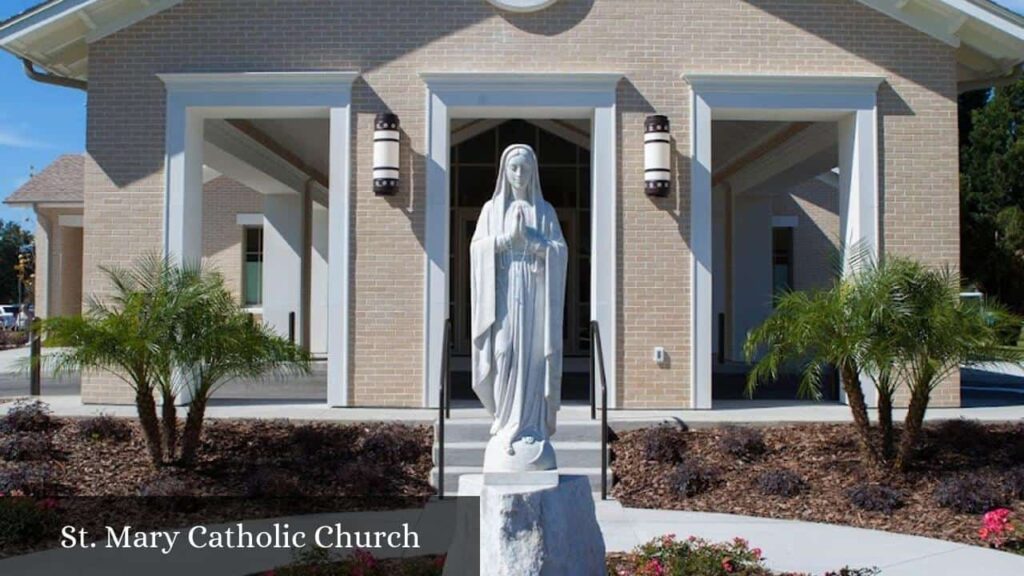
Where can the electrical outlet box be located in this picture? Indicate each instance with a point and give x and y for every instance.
(659, 355)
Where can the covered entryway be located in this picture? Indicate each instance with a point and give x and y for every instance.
(563, 150)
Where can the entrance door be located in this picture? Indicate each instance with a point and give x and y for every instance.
(565, 179)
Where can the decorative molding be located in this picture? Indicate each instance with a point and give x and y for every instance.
(70, 220)
(249, 219)
(522, 5)
(785, 221)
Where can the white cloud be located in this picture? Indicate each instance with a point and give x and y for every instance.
(14, 139)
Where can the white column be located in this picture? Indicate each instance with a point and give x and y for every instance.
(282, 262)
(752, 266)
(183, 234)
(437, 241)
(603, 250)
(858, 199)
(701, 252)
(338, 266)
(318, 278)
(858, 182)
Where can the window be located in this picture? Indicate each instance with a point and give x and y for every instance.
(252, 267)
(782, 260)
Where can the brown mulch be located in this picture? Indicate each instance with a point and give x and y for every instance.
(828, 457)
(246, 469)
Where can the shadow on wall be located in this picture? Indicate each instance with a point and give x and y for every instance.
(563, 16)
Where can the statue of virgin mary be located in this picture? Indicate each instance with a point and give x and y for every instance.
(518, 260)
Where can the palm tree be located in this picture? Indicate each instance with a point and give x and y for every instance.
(218, 342)
(816, 329)
(128, 334)
(941, 333)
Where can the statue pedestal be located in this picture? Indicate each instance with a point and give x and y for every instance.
(537, 528)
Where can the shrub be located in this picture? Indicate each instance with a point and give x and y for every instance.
(24, 520)
(13, 339)
(667, 555)
(392, 444)
(744, 443)
(970, 494)
(27, 416)
(665, 443)
(875, 498)
(165, 486)
(271, 482)
(691, 477)
(36, 480)
(780, 482)
(316, 441)
(1013, 480)
(104, 428)
(26, 448)
(961, 434)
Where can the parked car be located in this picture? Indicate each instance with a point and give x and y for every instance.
(8, 317)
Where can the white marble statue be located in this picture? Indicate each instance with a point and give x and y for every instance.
(518, 261)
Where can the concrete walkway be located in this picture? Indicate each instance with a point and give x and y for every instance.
(808, 547)
(749, 412)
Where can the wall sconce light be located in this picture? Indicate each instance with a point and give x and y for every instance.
(657, 156)
(386, 142)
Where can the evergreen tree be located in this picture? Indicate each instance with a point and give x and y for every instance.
(992, 192)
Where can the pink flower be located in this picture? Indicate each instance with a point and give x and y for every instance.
(740, 542)
(654, 568)
(757, 553)
(727, 565)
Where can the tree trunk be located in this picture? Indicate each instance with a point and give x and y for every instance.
(885, 422)
(192, 434)
(912, 428)
(169, 418)
(855, 397)
(150, 425)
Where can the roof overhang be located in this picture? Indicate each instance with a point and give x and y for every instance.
(989, 39)
(56, 34)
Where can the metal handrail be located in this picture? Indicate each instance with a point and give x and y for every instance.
(444, 409)
(597, 358)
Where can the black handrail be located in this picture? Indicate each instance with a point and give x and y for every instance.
(597, 357)
(444, 410)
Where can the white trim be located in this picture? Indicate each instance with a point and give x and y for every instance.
(851, 101)
(249, 219)
(531, 96)
(150, 8)
(785, 221)
(70, 220)
(194, 98)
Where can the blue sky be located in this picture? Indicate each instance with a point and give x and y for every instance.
(40, 122)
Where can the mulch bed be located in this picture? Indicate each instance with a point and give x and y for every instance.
(829, 460)
(246, 469)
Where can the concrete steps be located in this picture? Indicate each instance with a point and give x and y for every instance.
(577, 446)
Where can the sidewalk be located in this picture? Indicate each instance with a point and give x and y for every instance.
(807, 547)
(737, 412)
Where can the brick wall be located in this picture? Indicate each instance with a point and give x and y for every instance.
(223, 200)
(816, 238)
(652, 42)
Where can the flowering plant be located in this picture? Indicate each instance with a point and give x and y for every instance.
(996, 527)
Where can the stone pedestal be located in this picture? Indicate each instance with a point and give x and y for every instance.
(537, 530)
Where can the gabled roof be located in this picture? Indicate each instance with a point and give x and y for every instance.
(62, 182)
(55, 34)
